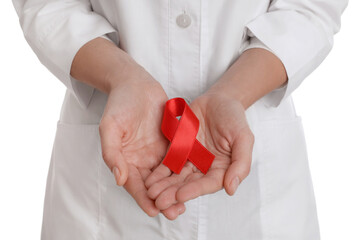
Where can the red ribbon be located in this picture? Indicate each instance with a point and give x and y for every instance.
(182, 135)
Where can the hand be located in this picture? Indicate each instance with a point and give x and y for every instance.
(225, 132)
(131, 139)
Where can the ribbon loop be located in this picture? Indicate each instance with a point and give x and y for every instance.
(182, 135)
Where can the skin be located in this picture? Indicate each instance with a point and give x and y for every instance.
(223, 130)
(133, 145)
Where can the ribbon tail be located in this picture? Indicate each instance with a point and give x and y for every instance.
(201, 157)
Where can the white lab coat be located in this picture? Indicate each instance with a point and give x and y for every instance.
(276, 200)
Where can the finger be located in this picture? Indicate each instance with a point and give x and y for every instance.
(111, 136)
(201, 184)
(240, 162)
(136, 188)
(174, 211)
(144, 172)
(159, 173)
(156, 188)
(168, 197)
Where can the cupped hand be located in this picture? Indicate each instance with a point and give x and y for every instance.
(225, 132)
(131, 140)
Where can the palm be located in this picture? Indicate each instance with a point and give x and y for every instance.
(131, 138)
(225, 132)
(142, 143)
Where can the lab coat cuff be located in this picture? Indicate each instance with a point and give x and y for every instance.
(57, 47)
(82, 91)
(106, 37)
(296, 41)
(275, 96)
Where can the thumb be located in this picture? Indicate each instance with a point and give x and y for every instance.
(111, 148)
(118, 167)
(241, 156)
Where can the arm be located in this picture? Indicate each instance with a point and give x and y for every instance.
(68, 38)
(254, 74)
(287, 43)
(56, 30)
(102, 65)
(300, 34)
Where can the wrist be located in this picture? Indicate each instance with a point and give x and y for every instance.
(226, 90)
(133, 78)
(214, 98)
(254, 74)
(103, 65)
(124, 74)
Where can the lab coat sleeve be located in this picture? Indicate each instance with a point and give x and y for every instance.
(300, 34)
(56, 30)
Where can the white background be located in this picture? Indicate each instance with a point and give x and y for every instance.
(31, 98)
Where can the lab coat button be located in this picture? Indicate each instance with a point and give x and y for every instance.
(183, 20)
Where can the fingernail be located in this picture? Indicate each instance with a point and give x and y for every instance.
(116, 173)
(235, 183)
(181, 210)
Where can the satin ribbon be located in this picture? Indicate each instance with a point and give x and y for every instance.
(182, 135)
